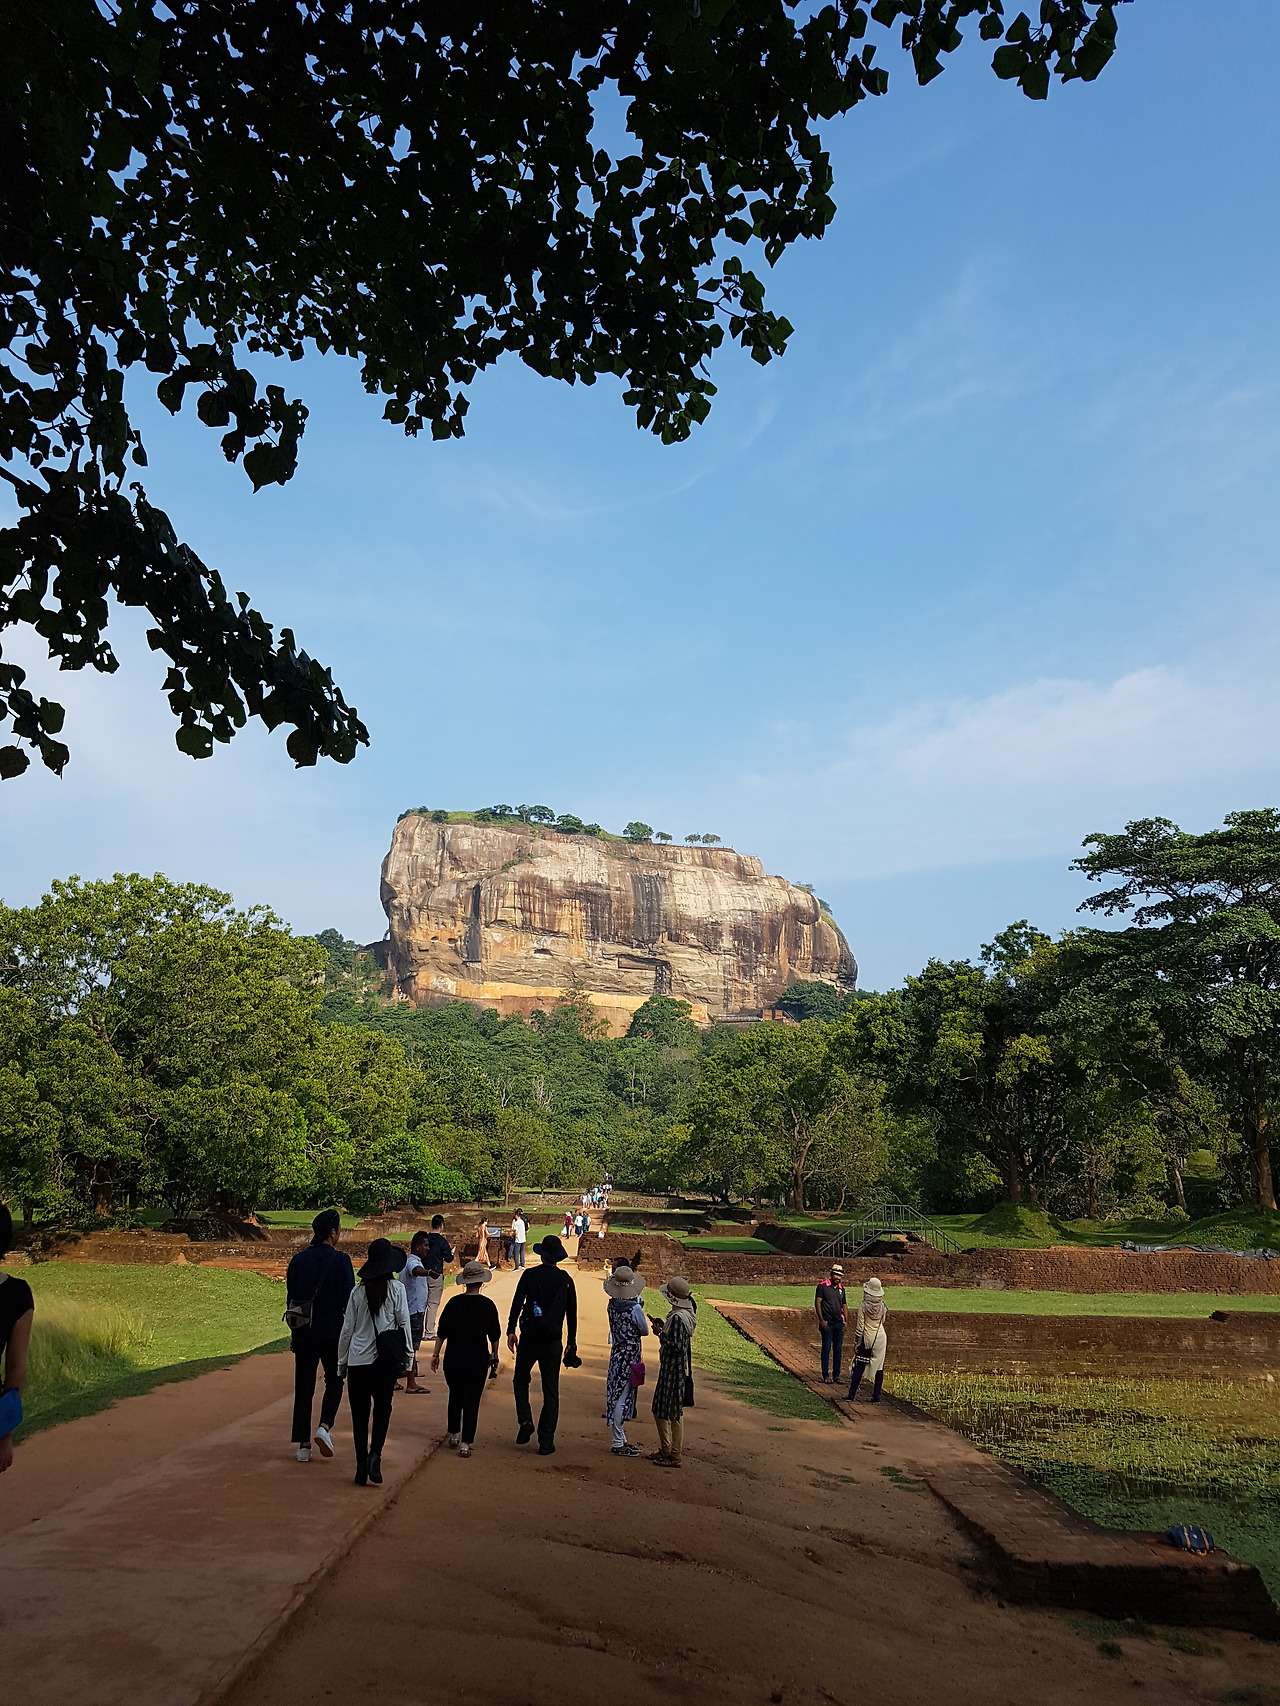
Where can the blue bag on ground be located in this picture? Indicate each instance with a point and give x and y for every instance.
(1190, 1538)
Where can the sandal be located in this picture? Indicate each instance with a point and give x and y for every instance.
(453, 1441)
(464, 1451)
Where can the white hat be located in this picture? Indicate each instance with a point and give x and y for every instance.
(624, 1283)
(873, 1288)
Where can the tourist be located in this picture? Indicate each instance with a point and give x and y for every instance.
(371, 1355)
(519, 1235)
(482, 1242)
(545, 1304)
(569, 1226)
(873, 1338)
(673, 1389)
(627, 1326)
(318, 1282)
(17, 1312)
(439, 1253)
(829, 1307)
(470, 1329)
(416, 1281)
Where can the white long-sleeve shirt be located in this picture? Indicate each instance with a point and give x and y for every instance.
(358, 1343)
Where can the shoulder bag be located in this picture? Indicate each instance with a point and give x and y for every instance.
(392, 1357)
(297, 1314)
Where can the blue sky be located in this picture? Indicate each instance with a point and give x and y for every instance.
(986, 562)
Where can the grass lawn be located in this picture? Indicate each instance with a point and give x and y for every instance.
(300, 1217)
(1188, 1304)
(105, 1331)
(733, 1246)
(1007, 1228)
(740, 1368)
(1139, 1454)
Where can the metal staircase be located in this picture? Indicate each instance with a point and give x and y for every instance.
(874, 1223)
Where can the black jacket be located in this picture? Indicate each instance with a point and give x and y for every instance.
(553, 1292)
(326, 1275)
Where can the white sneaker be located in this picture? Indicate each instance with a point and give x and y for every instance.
(304, 1454)
(325, 1441)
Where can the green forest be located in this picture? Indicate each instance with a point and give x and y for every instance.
(161, 1050)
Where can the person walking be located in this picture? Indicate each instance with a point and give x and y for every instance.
(318, 1282)
(829, 1307)
(470, 1330)
(627, 1326)
(17, 1312)
(545, 1305)
(873, 1338)
(567, 1230)
(375, 1349)
(482, 1242)
(673, 1388)
(415, 1281)
(439, 1253)
(519, 1235)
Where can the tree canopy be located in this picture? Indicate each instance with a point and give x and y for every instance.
(190, 184)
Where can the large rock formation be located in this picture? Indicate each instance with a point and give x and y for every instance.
(513, 917)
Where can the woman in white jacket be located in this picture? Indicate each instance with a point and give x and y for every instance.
(377, 1307)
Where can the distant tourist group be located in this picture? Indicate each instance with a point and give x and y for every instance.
(367, 1339)
(871, 1333)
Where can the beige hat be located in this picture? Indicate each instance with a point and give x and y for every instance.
(873, 1288)
(676, 1290)
(624, 1283)
(836, 1268)
(474, 1273)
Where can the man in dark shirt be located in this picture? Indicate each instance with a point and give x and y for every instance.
(829, 1307)
(545, 1305)
(321, 1274)
(435, 1258)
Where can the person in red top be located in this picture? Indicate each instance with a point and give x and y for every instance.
(829, 1307)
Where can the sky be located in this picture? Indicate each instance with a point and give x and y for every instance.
(985, 564)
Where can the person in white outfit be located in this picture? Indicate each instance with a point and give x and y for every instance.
(377, 1310)
(872, 1338)
(519, 1236)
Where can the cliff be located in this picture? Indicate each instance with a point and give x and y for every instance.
(514, 916)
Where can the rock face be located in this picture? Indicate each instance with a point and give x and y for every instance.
(513, 917)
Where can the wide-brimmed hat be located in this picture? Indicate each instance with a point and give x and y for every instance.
(551, 1249)
(474, 1273)
(873, 1288)
(676, 1290)
(624, 1282)
(383, 1257)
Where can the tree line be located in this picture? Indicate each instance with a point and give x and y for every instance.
(158, 1047)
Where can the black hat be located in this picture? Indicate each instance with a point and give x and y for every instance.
(384, 1258)
(551, 1249)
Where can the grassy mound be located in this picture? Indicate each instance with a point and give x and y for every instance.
(1018, 1224)
(1237, 1228)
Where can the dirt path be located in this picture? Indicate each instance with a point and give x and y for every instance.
(787, 1561)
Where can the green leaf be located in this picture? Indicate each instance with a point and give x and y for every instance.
(13, 761)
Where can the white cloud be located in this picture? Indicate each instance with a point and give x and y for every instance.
(1024, 772)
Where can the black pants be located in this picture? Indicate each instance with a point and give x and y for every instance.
(369, 1385)
(308, 1355)
(546, 1353)
(466, 1388)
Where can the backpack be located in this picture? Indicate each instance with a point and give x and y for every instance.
(1188, 1538)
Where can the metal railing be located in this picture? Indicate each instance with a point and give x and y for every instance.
(873, 1223)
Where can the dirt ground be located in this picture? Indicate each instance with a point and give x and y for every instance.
(786, 1561)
